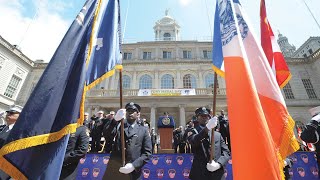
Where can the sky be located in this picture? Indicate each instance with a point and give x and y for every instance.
(38, 26)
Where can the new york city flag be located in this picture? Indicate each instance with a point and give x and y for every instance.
(36, 145)
(257, 111)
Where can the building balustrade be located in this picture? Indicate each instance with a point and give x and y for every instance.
(134, 92)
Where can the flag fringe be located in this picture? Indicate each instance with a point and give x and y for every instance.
(288, 143)
(218, 71)
(281, 166)
(103, 77)
(285, 82)
(7, 167)
(28, 142)
(37, 140)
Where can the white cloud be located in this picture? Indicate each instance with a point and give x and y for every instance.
(37, 39)
(185, 2)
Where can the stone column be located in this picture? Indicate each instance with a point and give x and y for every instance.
(156, 80)
(178, 80)
(153, 116)
(182, 115)
(200, 83)
(134, 81)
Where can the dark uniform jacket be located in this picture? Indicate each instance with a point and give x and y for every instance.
(138, 149)
(311, 134)
(77, 148)
(201, 150)
(3, 137)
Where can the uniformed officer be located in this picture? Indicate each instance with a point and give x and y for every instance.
(311, 132)
(86, 120)
(201, 168)
(223, 127)
(77, 148)
(11, 117)
(96, 132)
(137, 141)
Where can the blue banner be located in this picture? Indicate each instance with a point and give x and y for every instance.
(177, 166)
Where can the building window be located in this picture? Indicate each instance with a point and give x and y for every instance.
(145, 82)
(310, 51)
(167, 82)
(309, 88)
(127, 56)
(207, 54)
(166, 55)
(146, 55)
(209, 81)
(126, 82)
(189, 81)
(187, 55)
(167, 36)
(304, 55)
(13, 86)
(288, 91)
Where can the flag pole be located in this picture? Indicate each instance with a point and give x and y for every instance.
(311, 13)
(213, 113)
(122, 123)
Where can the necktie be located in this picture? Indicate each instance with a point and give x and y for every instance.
(129, 129)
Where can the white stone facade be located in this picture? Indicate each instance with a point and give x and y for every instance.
(14, 70)
(162, 59)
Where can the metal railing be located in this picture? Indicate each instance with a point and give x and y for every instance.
(134, 92)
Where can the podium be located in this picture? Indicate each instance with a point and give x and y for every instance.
(165, 129)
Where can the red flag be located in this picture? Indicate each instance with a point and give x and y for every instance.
(272, 49)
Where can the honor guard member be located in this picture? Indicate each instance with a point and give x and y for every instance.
(77, 148)
(137, 144)
(311, 133)
(96, 132)
(200, 141)
(11, 117)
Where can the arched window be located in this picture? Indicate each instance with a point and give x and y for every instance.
(209, 81)
(167, 82)
(167, 36)
(189, 81)
(145, 82)
(126, 82)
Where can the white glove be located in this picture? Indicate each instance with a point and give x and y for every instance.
(285, 163)
(128, 168)
(316, 118)
(213, 166)
(121, 114)
(212, 123)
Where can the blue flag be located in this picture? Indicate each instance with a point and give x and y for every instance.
(37, 143)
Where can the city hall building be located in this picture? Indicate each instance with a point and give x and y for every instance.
(168, 75)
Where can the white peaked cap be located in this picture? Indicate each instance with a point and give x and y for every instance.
(314, 111)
